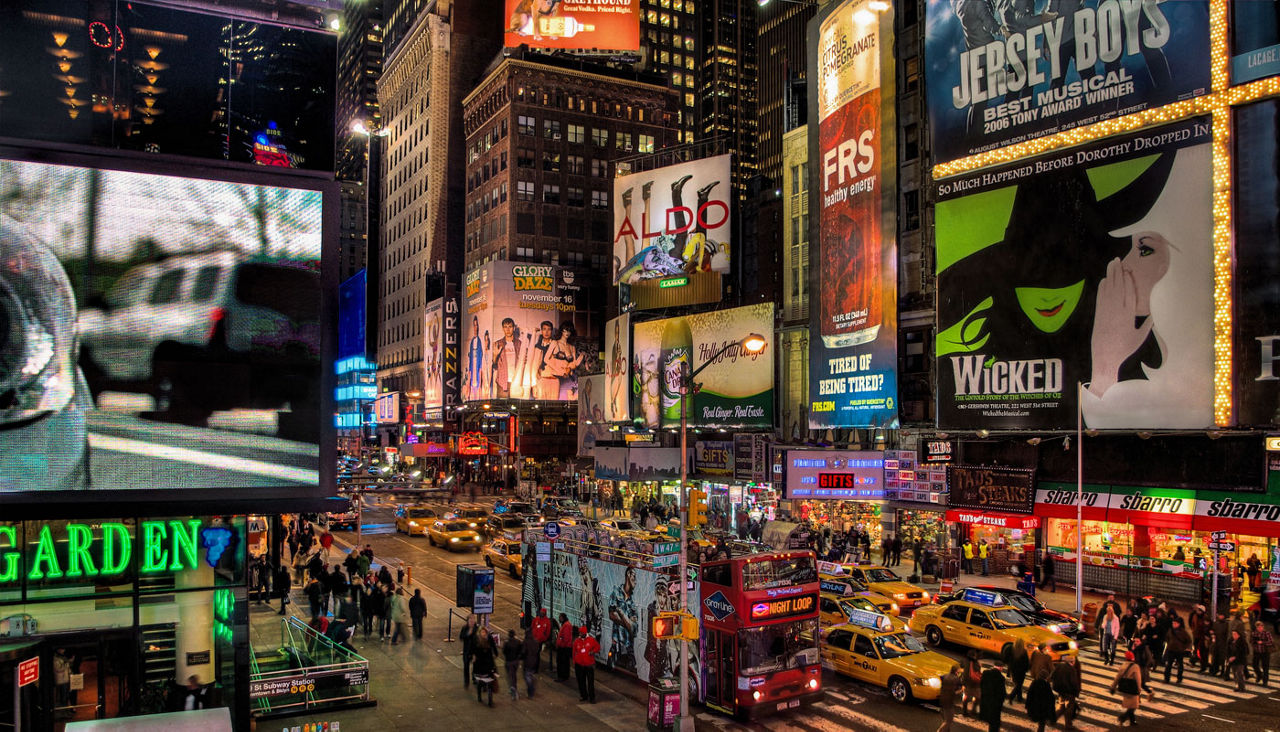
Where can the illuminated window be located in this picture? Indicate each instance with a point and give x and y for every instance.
(665, 19)
(600, 137)
(551, 129)
(577, 133)
(646, 143)
(665, 57)
(653, 17)
(688, 6)
(622, 141)
(599, 199)
(524, 190)
(527, 125)
(688, 43)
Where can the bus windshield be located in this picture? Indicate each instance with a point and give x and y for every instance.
(780, 572)
(777, 647)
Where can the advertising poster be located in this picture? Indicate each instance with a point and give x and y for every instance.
(617, 376)
(1089, 265)
(607, 25)
(1002, 490)
(611, 463)
(736, 389)
(1255, 41)
(1001, 73)
(432, 355)
(592, 425)
(671, 234)
(853, 355)
(713, 457)
(529, 333)
(1256, 315)
(159, 331)
(352, 316)
(834, 474)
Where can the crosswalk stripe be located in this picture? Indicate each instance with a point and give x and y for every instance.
(1202, 690)
(844, 715)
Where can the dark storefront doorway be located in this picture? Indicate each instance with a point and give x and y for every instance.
(82, 677)
(28, 699)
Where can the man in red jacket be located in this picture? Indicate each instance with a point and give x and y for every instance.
(585, 649)
(542, 634)
(564, 648)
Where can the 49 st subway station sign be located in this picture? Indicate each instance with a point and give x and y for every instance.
(109, 552)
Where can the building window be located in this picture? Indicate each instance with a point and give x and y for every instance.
(576, 258)
(575, 164)
(551, 129)
(574, 228)
(551, 193)
(600, 137)
(524, 223)
(527, 125)
(910, 210)
(524, 252)
(524, 157)
(524, 190)
(911, 79)
(577, 133)
(599, 168)
(502, 192)
(599, 199)
(573, 196)
(503, 158)
(646, 143)
(623, 141)
(551, 162)
(911, 142)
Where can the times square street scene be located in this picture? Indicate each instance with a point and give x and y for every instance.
(639, 365)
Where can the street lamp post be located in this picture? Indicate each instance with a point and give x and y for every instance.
(752, 344)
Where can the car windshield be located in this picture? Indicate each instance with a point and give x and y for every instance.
(420, 513)
(857, 603)
(1026, 604)
(779, 572)
(471, 513)
(777, 647)
(455, 526)
(1010, 617)
(515, 507)
(881, 574)
(626, 526)
(898, 644)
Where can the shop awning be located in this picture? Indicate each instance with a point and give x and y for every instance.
(1248, 514)
(1058, 500)
(1165, 508)
(998, 520)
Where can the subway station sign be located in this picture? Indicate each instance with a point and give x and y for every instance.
(108, 549)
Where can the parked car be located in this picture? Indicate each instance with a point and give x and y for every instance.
(346, 520)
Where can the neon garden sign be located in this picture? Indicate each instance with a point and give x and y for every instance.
(75, 551)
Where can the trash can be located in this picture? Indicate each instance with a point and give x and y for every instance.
(664, 705)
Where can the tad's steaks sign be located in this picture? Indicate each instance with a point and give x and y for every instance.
(1005, 490)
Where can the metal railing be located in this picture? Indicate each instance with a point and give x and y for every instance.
(318, 673)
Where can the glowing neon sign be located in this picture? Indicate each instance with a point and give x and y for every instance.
(78, 550)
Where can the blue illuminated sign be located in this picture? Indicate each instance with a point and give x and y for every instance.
(834, 474)
(982, 597)
(868, 619)
(352, 316)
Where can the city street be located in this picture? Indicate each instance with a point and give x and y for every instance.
(849, 704)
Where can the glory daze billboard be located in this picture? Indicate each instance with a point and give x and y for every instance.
(736, 388)
(671, 229)
(853, 355)
(528, 333)
(1000, 75)
(1090, 265)
(612, 25)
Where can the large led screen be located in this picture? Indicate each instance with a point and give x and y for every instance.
(1091, 265)
(1002, 73)
(159, 332)
(528, 333)
(612, 25)
(671, 234)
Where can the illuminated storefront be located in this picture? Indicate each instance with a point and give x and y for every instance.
(840, 488)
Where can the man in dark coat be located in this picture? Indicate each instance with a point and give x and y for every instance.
(282, 584)
(992, 703)
(417, 611)
(532, 657)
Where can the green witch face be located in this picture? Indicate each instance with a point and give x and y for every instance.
(1049, 308)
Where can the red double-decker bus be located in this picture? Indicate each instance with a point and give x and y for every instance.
(759, 619)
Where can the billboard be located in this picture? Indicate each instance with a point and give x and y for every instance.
(607, 25)
(713, 457)
(1091, 264)
(441, 339)
(1000, 75)
(529, 332)
(671, 233)
(1256, 302)
(353, 315)
(834, 474)
(592, 425)
(853, 357)
(432, 336)
(736, 388)
(161, 331)
(1255, 41)
(617, 376)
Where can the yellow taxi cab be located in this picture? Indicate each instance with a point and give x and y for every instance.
(414, 520)
(868, 648)
(475, 517)
(833, 578)
(453, 535)
(834, 609)
(505, 554)
(985, 620)
(886, 582)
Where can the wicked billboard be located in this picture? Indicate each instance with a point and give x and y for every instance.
(1090, 265)
(853, 359)
(1001, 75)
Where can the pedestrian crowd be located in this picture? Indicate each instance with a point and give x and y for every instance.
(567, 647)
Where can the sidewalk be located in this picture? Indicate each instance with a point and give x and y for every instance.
(418, 684)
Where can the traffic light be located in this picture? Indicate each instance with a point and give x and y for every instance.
(689, 627)
(697, 508)
(666, 626)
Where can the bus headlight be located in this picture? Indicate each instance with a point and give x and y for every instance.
(756, 695)
(813, 683)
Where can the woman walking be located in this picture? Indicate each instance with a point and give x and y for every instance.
(1041, 704)
(1109, 635)
(991, 705)
(973, 683)
(1128, 682)
(467, 638)
(484, 669)
(1019, 663)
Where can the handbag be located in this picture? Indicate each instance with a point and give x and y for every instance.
(1127, 684)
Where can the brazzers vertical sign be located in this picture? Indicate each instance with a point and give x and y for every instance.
(853, 379)
(999, 73)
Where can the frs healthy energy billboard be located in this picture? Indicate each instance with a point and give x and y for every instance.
(528, 333)
(671, 230)
(1092, 265)
(612, 25)
(853, 350)
(617, 377)
(1001, 73)
(736, 388)
(159, 332)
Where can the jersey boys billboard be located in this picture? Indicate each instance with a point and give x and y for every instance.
(999, 74)
(853, 357)
(1090, 265)
(671, 230)
(612, 25)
